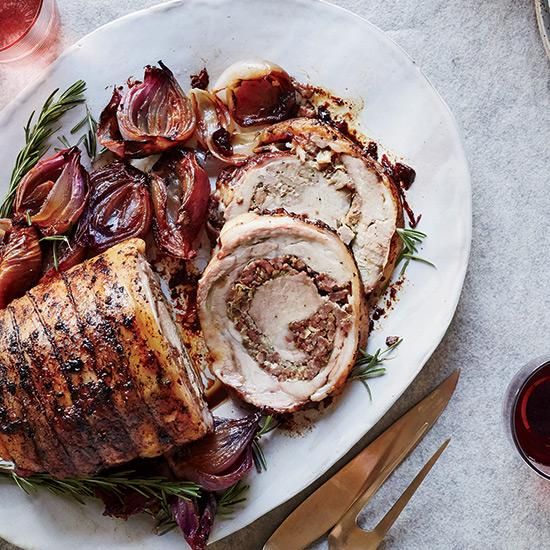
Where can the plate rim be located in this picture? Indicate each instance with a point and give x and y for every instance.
(463, 253)
(542, 9)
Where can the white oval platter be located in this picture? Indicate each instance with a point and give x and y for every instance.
(328, 46)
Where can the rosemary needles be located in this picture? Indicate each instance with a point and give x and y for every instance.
(37, 135)
(89, 138)
(411, 239)
(370, 365)
(267, 425)
(156, 488)
(232, 497)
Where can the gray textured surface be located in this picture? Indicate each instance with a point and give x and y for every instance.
(487, 61)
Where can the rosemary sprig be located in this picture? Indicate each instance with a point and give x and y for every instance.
(55, 240)
(232, 497)
(80, 488)
(411, 239)
(267, 425)
(89, 139)
(66, 144)
(369, 365)
(64, 141)
(164, 521)
(37, 135)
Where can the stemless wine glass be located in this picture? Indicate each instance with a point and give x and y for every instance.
(525, 439)
(26, 27)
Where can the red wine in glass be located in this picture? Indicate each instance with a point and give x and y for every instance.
(26, 27)
(531, 419)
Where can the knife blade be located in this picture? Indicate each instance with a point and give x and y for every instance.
(370, 468)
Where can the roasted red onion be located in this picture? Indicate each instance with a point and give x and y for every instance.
(53, 194)
(195, 519)
(201, 79)
(216, 131)
(180, 190)
(6, 226)
(147, 117)
(257, 92)
(61, 256)
(20, 261)
(124, 505)
(119, 207)
(221, 458)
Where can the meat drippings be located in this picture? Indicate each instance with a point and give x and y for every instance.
(303, 341)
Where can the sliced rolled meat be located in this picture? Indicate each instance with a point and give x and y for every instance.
(282, 310)
(307, 167)
(93, 372)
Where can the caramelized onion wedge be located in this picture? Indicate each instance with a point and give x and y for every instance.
(195, 518)
(221, 458)
(180, 190)
(5, 228)
(119, 207)
(147, 117)
(53, 194)
(217, 133)
(257, 92)
(282, 311)
(20, 262)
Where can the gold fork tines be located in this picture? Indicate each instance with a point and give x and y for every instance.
(347, 535)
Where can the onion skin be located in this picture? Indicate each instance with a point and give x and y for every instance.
(147, 117)
(119, 207)
(221, 458)
(54, 193)
(180, 190)
(20, 262)
(195, 519)
(200, 80)
(220, 482)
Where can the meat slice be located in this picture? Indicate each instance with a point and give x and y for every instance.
(93, 370)
(306, 167)
(282, 310)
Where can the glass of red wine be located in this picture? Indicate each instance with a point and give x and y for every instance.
(527, 414)
(26, 27)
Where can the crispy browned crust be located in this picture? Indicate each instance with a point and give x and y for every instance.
(87, 378)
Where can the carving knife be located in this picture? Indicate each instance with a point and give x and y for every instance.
(368, 470)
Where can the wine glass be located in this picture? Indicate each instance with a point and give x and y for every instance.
(26, 27)
(526, 414)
